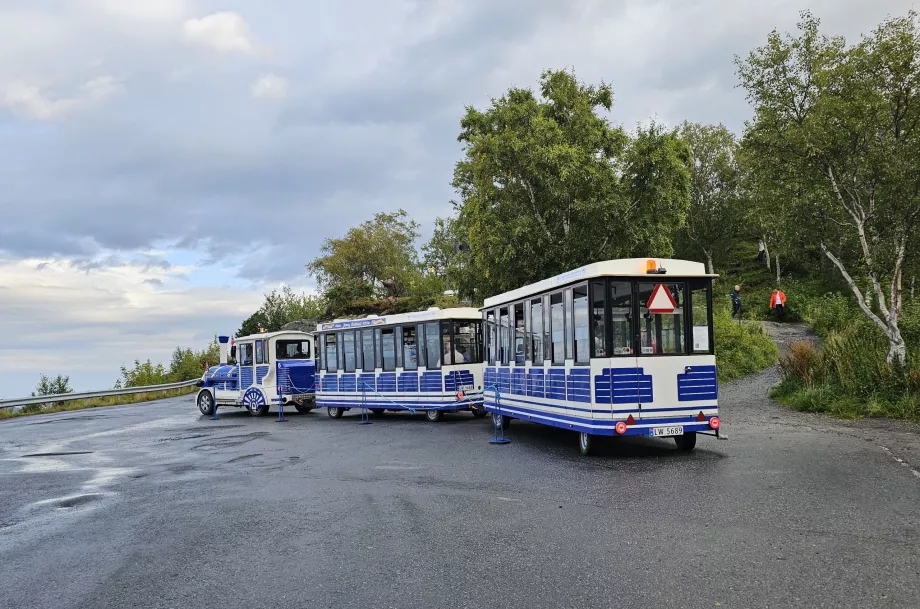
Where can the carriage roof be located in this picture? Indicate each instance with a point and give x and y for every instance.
(373, 321)
(293, 334)
(627, 267)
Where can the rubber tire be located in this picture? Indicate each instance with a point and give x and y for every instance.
(210, 401)
(303, 408)
(500, 420)
(479, 411)
(260, 411)
(686, 442)
(378, 412)
(585, 443)
(335, 412)
(434, 415)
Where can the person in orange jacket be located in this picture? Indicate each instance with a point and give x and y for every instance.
(778, 302)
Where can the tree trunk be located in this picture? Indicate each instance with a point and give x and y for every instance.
(777, 268)
(709, 267)
(766, 251)
(897, 350)
(912, 278)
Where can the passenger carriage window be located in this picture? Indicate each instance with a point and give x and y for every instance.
(598, 320)
(246, 354)
(519, 333)
(433, 345)
(378, 346)
(398, 345)
(701, 305)
(292, 349)
(466, 342)
(662, 333)
(321, 353)
(536, 318)
(349, 348)
(547, 338)
(448, 346)
(410, 349)
(367, 343)
(557, 327)
(528, 332)
(261, 355)
(569, 324)
(331, 356)
(504, 337)
(491, 337)
(621, 317)
(580, 299)
(389, 349)
(341, 349)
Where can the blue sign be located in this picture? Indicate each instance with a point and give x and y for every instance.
(354, 323)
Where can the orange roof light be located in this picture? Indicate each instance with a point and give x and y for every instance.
(651, 266)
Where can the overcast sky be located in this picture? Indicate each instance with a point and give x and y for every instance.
(164, 162)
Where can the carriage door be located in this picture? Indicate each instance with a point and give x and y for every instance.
(247, 366)
(664, 352)
(626, 379)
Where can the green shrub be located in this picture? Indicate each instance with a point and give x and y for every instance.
(741, 349)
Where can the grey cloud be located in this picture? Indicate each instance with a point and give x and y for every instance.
(154, 281)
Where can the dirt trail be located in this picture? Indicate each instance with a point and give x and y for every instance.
(900, 439)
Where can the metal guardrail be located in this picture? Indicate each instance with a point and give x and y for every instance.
(69, 397)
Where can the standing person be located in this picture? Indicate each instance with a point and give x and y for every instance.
(761, 250)
(736, 301)
(778, 302)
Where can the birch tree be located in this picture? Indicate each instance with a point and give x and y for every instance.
(714, 183)
(547, 184)
(844, 119)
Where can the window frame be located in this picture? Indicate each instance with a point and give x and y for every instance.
(683, 325)
(587, 288)
(700, 283)
(414, 329)
(561, 294)
(568, 313)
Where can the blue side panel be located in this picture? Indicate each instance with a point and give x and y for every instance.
(518, 382)
(386, 382)
(489, 377)
(348, 382)
(261, 372)
(698, 384)
(408, 382)
(367, 382)
(535, 383)
(623, 386)
(432, 381)
(330, 383)
(578, 385)
(457, 378)
(555, 389)
(504, 380)
(245, 377)
(631, 385)
(297, 377)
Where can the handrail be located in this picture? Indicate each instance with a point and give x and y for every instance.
(68, 397)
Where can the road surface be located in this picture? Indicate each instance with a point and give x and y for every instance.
(156, 506)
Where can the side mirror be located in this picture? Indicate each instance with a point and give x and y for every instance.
(233, 351)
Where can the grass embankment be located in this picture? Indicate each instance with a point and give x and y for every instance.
(115, 400)
(848, 375)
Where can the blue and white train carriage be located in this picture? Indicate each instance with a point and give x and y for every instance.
(270, 368)
(622, 347)
(429, 361)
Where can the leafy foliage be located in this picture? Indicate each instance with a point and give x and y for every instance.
(52, 386)
(281, 307)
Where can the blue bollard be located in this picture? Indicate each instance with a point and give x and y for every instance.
(214, 416)
(499, 438)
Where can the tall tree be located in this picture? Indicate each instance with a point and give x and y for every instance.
(52, 386)
(375, 259)
(715, 207)
(547, 184)
(846, 121)
(281, 307)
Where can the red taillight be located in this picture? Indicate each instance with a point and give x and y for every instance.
(459, 395)
(714, 422)
(620, 427)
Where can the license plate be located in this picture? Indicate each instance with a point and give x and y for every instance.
(466, 388)
(663, 432)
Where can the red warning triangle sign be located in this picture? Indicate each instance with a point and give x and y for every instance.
(661, 300)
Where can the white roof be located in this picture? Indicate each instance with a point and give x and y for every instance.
(373, 321)
(627, 267)
(282, 333)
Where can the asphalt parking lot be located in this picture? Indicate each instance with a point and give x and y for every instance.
(156, 506)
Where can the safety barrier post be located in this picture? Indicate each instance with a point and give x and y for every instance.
(214, 416)
(365, 419)
(499, 438)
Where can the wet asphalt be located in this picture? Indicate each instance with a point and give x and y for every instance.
(154, 505)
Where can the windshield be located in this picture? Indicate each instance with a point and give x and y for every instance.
(292, 349)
